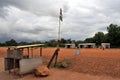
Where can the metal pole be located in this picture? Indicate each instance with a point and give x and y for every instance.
(58, 43)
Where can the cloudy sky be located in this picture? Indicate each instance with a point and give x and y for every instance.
(37, 20)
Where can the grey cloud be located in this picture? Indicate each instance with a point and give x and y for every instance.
(3, 13)
(38, 19)
(34, 30)
(38, 7)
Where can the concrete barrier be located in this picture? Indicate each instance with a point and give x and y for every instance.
(28, 65)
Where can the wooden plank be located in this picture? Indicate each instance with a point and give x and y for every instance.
(26, 46)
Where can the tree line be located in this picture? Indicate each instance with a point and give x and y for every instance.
(112, 36)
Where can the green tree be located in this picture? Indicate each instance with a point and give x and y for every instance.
(69, 41)
(23, 43)
(63, 41)
(106, 39)
(89, 40)
(52, 43)
(11, 42)
(114, 35)
(78, 42)
(99, 38)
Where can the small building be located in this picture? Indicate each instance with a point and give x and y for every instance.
(16, 58)
(105, 45)
(70, 45)
(86, 45)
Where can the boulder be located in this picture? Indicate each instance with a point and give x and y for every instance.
(64, 64)
(42, 71)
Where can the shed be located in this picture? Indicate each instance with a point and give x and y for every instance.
(86, 45)
(105, 45)
(25, 63)
(70, 45)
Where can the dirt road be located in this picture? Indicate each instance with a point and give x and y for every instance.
(92, 64)
(56, 74)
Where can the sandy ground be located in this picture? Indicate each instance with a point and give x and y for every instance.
(56, 74)
(92, 64)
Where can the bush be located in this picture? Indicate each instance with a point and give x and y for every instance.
(63, 64)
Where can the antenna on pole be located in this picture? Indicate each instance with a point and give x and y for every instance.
(55, 55)
(60, 19)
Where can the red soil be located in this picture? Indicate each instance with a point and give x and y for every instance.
(91, 61)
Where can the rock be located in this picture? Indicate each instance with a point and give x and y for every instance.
(64, 64)
(42, 71)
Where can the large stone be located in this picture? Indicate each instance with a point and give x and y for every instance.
(42, 71)
(64, 64)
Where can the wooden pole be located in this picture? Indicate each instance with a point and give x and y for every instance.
(14, 60)
(40, 51)
(32, 52)
(56, 58)
(28, 52)
(53, 56)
